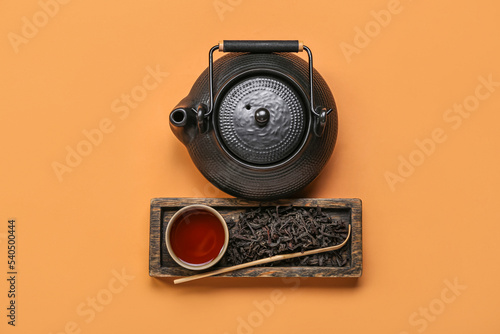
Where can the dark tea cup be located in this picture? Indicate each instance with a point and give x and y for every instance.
(197, 237)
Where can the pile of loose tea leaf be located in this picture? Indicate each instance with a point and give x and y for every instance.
(267, 231)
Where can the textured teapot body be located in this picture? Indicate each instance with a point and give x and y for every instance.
(250, 146)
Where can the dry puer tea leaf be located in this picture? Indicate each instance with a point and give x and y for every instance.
(268, 231)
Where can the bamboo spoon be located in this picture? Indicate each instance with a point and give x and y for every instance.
(262, 261)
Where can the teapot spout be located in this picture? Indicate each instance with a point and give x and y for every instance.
(183, 124)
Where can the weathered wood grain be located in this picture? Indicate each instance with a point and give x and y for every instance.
(346, 209)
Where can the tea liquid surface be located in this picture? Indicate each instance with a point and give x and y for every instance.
(197, 237)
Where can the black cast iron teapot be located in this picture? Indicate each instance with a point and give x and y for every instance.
(259, 123)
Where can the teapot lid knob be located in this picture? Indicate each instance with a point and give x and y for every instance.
(262, 116)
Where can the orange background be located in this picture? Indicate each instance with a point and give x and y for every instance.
(438, 227)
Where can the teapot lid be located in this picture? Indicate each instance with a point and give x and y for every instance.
(262, 120)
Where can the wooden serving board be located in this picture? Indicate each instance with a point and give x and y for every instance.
(345, 209)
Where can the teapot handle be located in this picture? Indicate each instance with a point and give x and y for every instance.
(260, 46)
(268, 46)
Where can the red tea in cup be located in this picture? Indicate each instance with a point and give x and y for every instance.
(197, 235)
